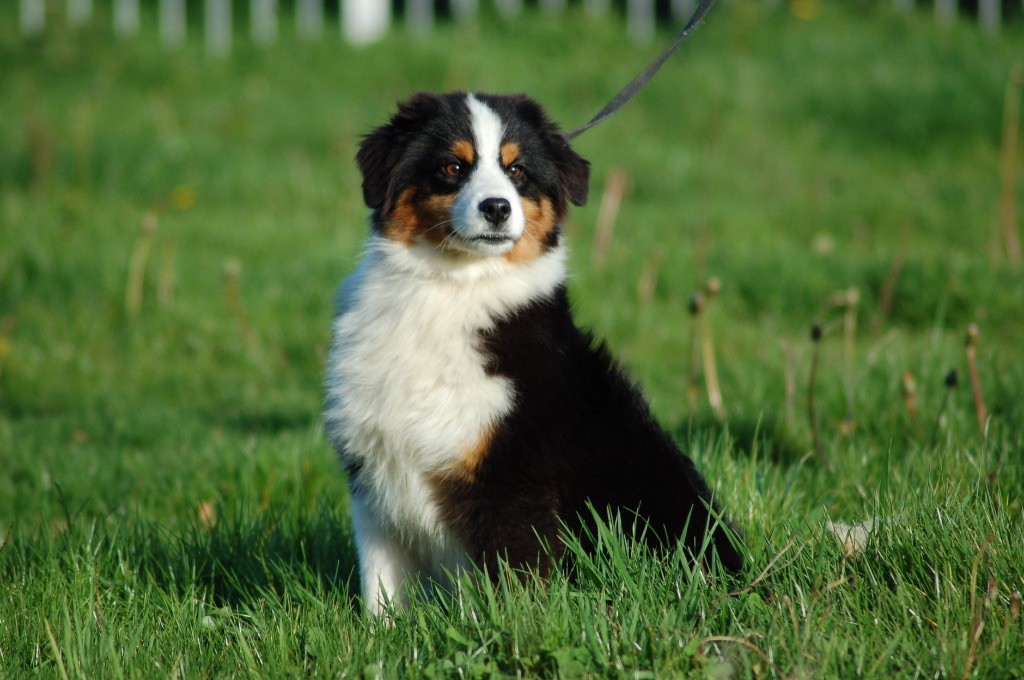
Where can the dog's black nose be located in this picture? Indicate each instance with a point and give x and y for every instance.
(495, 210)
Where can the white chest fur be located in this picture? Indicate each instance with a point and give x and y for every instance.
(408, 393)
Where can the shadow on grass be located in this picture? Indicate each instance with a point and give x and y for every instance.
(268, 421)
(235, 560)
(767, 437)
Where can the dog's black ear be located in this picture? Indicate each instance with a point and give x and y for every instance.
(382, 149)
(575, 173)
(573, 169)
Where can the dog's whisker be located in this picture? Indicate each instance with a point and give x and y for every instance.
(439, 225)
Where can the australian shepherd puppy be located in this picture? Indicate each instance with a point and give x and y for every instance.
(475, 419)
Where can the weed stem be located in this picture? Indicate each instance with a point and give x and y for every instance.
(611, 199)
(137, 265)
(812, 412)
(1009, 164)
(972, 366)
(708, 352)
(695, 307)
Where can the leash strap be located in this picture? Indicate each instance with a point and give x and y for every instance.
(640, 81)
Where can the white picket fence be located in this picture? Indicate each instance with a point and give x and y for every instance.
(364, 21)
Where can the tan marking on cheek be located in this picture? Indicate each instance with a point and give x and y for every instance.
(402, 221)
(540, 222)
(410, 220)
(509, 153)
(436, 218)
(464, 151)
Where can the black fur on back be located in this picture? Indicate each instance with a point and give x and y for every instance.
(580, 432)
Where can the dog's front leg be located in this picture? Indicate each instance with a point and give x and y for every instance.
(385, 565)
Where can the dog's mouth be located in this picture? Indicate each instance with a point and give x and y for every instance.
(493, 239)
(486, 245)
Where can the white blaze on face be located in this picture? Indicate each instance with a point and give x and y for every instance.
(487, 180)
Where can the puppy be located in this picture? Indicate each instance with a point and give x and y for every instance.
(475, 419)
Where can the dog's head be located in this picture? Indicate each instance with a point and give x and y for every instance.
(474, 174)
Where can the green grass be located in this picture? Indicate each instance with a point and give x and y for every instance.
(171, 504)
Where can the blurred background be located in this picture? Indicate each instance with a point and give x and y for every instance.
(178, 200)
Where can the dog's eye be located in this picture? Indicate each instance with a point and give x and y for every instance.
(515, 171)
(452, 169)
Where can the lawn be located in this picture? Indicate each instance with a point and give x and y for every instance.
(172, 227)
